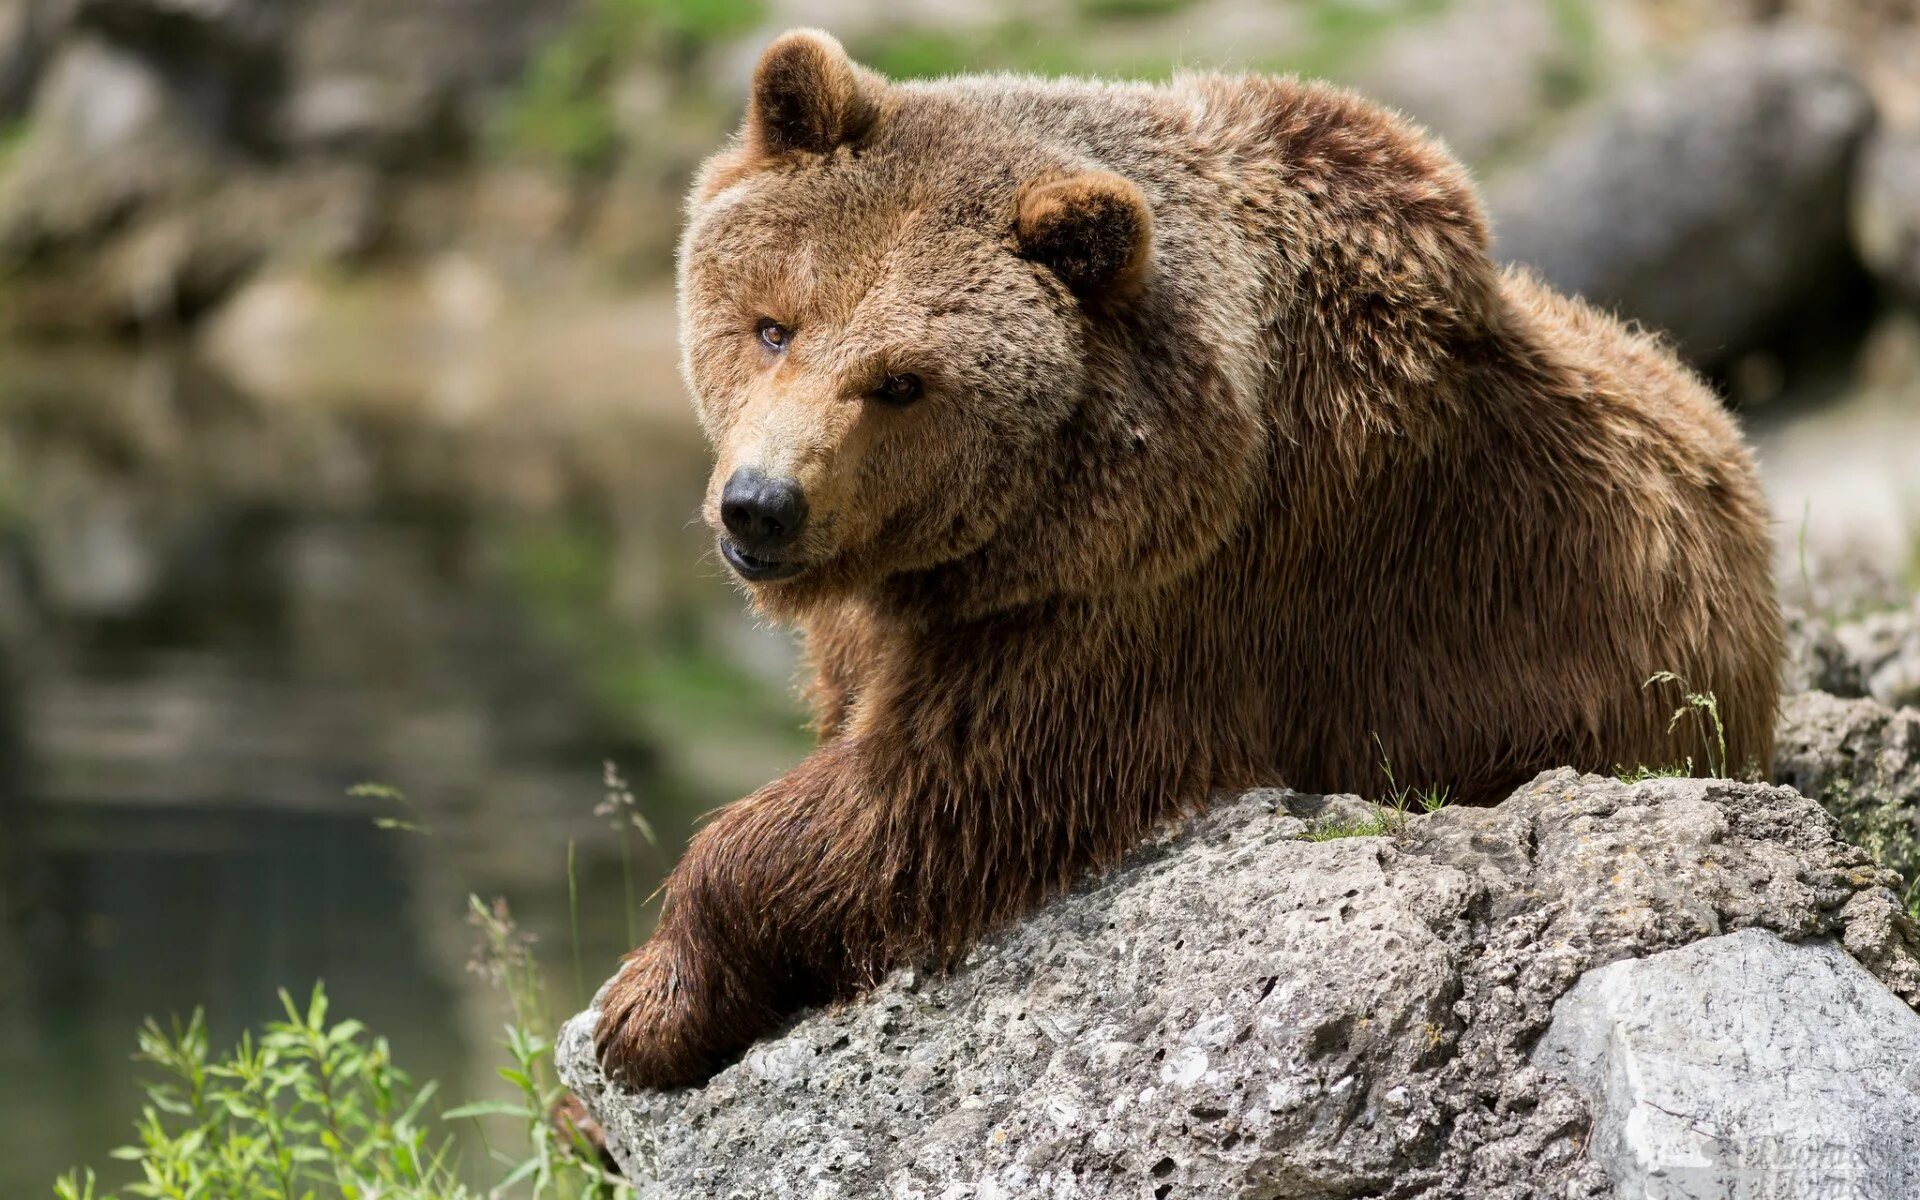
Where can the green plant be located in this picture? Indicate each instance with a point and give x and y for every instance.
(394, 796)
(622, 810)
(1402, 799)
(317, 1110)
(1705, 711)
(555, 1163)
(309, 1109)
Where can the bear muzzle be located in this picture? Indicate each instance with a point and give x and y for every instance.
(764, 517)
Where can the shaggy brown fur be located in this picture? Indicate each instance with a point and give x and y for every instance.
(1237, 463)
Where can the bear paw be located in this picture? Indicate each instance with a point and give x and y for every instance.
(648, 1035)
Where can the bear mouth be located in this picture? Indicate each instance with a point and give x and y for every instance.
(755, 569)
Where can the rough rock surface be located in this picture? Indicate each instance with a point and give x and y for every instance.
(1861, 760)
(1241, 1011)
(1708, 203)
(1722, 1066)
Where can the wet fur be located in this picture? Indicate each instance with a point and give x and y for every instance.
(1297, 482)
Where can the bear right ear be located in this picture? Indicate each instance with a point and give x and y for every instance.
(1092, 228)
(809, 96)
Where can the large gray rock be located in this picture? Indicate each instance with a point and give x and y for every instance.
(1238, 1012)
(1720, 1068)
(1710, 202)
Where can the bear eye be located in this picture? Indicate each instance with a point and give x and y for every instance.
(773, 335)
(898, 389)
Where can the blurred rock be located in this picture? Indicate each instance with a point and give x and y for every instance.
(1710, 202)
(1816, 661)
(1481, 75)
(1886, 212)
(1884, 650)
(1875, 654)
(174, 146)
(25, 35)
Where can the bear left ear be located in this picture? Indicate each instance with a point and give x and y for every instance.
(1092, 228)
(808, 95)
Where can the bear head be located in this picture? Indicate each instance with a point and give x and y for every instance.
(930, 339)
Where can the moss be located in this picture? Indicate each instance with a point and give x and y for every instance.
(1378, 825)
(1879, 822)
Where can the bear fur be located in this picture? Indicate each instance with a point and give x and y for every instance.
(1233, 460)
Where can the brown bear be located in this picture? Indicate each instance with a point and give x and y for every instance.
(1114, 445)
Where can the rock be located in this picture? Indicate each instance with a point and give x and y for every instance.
(1886, 212)
(1884, 650)
(1876, 654)
(1861, 760)
(174, 147)
(1816, 661)
(1240, 1012)
(1744, 1066)
(1482, 74)
(1710, 203)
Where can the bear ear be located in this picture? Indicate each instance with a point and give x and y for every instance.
(808, 95)
(1092, 228)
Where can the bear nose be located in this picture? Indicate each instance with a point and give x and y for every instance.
(760, 512)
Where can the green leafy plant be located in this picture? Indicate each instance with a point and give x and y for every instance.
(307, 1109)
(313, 1109)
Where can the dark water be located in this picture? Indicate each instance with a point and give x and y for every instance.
(217, 616)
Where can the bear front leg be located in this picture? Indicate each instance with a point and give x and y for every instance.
(751, 930)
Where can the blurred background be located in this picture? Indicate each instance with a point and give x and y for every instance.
(341, 439)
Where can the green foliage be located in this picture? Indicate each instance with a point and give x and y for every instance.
(317, 1110)
(309, 1109)
(553, 1164)
(562, 111)
(1012, 46)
